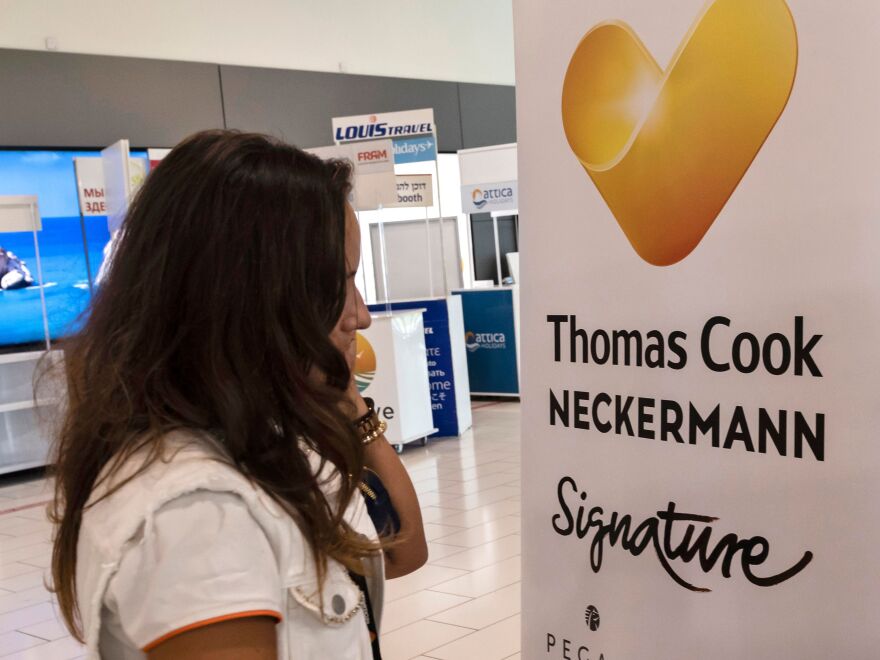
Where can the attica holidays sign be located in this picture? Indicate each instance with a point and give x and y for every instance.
(488, 197)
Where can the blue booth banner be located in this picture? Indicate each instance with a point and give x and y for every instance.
(440, 371)
(490, 339)
(415, 150)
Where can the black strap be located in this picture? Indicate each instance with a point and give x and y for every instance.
(361, 582)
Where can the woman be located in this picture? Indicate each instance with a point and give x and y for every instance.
(208, 463)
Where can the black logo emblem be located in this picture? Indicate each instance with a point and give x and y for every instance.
(592, 618)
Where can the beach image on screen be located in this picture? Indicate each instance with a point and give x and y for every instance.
(71, 248)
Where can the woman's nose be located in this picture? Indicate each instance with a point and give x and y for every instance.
(364, 320)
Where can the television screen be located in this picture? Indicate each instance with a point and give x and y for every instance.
(71, 248)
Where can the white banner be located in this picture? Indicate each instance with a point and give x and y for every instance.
(488, 197)
(90, 186)
(375, 376)
(90, 183)
(414, 190)
(482, 164)
(701, 307)
(374, 185)
(118, 175)
(391, 371)
(392, 125)
(117, 181)
(19, 213)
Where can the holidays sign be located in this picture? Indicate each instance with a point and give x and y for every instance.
(700, 318)
(413, 132)
(415, 150)
(488, 197)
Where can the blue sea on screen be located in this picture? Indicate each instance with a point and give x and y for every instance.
(65, 278)
(50, 176)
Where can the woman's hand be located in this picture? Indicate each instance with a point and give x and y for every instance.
(411, 549)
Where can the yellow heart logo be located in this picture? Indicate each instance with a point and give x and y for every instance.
(666, 149)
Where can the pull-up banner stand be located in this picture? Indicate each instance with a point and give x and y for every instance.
(701, 312)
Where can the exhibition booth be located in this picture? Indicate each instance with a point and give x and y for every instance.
(491, 311)
(411, 252)
(391, 372)
(448, 375)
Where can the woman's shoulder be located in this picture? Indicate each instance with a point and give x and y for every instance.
(157, 464)
(133, 487)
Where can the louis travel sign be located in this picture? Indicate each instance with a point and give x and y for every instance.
(413, 132)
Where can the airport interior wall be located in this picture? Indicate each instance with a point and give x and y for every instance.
(67, 100)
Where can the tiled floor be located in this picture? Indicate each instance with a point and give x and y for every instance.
(463, 605)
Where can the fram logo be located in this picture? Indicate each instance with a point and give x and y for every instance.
(372, 156)
(364, 364)
(667, 149)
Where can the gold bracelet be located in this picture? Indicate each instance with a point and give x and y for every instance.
(370, 427)
(375, 434)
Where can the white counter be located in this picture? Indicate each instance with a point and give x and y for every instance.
(392, 371)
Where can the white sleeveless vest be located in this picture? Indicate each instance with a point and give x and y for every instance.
(313, 627)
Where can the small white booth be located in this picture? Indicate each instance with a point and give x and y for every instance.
(447, 363)
(491, 312)
(391, 372)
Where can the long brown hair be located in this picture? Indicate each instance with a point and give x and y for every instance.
(214, 317)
